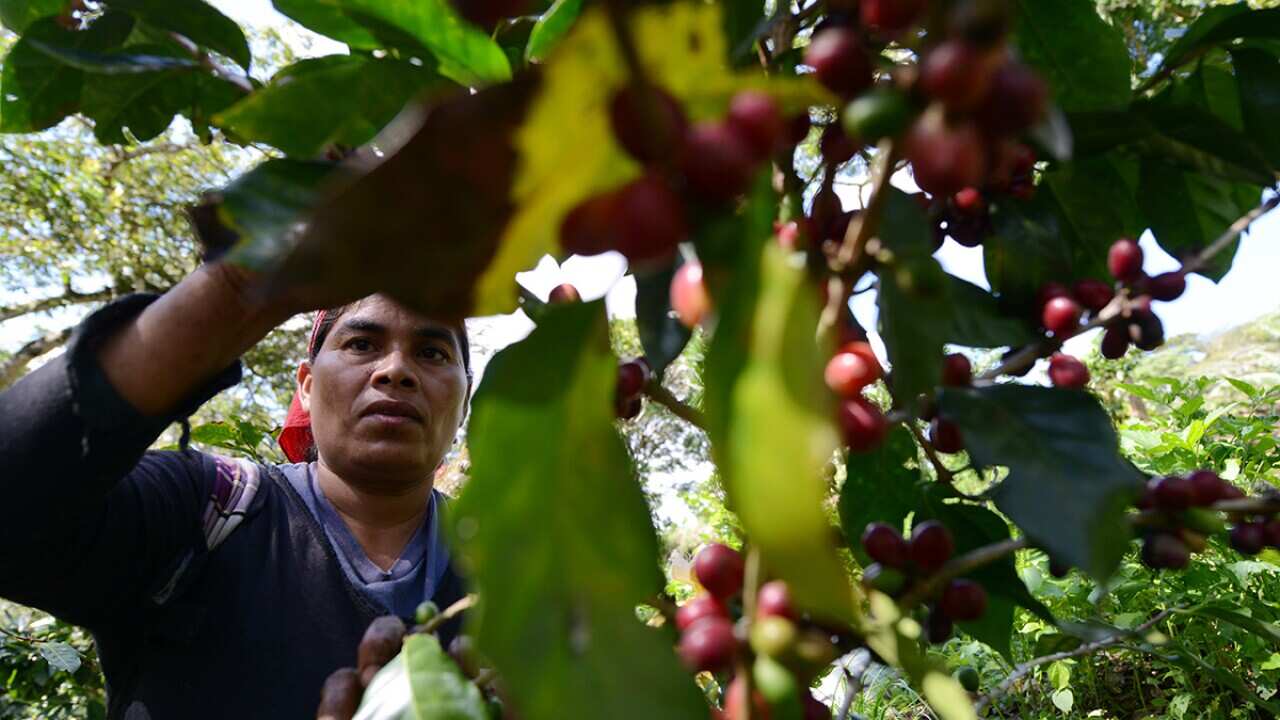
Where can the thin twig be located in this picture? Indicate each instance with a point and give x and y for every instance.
(1230, 234)
(944, 475)
(961, 565)
(206, 60)
(1085, 649)
(661, 395)
(449, 613)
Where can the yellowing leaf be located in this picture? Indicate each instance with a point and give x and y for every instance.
(567, 152)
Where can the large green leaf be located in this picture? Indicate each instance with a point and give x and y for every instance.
(977, 320)
(328, 20)
(1028, 247)
(1188, 211)
(1084, 59)
(1258, 74)
(38, 91)
(1219, 25)
(18, 15)
(1095, 199)
(296, 112)
(440, 691)
(662, 335)
(550, 28)
(1067, 486)
(558, 615)
(134, 61)
(916, 310)
(770, 416)
(197, 21)
(1200, 141)
(881, 485)
(466, 54)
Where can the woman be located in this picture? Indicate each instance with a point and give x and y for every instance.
(220, 588)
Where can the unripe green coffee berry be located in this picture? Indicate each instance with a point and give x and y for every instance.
(876, 115)
(773, 636)
(426, 612)
(968, 678)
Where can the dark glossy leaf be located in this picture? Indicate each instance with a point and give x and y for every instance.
(466, 53)
(296, 112)
(261, 209)
(115, 63)
(1258, 74)
(551, 26)
(329, 20)
(1097, 132)
(915, 302)
(662, 336)
(769, 414)
(881, 485)
(743, 20)
(1084, 59)
(1188, 211)
(1067, 486)
(1200, 141)
(1028, 247)
(37, 91)
(439, 689)
(973, 527)
(18, 15)
(1213, 89)
(1095, 204)
(978, 321)
(558, 617)
(197, 21)
(1221, 24)
(146, 103)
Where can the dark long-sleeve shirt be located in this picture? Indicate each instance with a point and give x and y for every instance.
(211, 588)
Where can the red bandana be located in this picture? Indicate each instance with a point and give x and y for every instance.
(296, 438)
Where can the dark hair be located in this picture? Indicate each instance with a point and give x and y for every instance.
(332, 315)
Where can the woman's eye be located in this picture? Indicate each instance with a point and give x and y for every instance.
(359, 344)
(435, 353)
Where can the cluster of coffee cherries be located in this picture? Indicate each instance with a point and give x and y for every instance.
(711, 641)
(344, 689)
(1181, 515)
(851, 369)
(900, 564)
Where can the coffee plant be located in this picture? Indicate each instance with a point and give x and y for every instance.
(457, 143)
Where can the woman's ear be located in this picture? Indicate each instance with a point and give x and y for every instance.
(304, 385)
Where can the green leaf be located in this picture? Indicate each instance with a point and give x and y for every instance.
(1187, 212)
(440, 690)
(38, 91)
(881, 485)
(1221, 24)
(115, 63)
(1095, 204)
(60, 656)
(18, 15)
(772, 431)
(465, 53)
(262, 207)
(743, 20)
(558, 617)
(215, 433)
(1178, 654)
(1067, 486)
(1028, 247)
(916, 310)
(197, 21)
(1221, 610)
(1084, 60)
(1063, 699)
(1198, 140)
(1258, 74)
(328, 20)
(978, 321)
(296, 111)
(550, 28)
(662, 335)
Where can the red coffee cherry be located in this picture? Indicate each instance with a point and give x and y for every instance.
(1061, 315)
(563, 294)
(1051, 290)
(931, 545)
(839, 61)
(689, 297)
(1171, 492)
(1066, 371)
(1167, 286)
(1271, 532)
(963, 600)
(628, 408)
(757, 117)
(969, 201)
(648, 122)
(632, 377)
(708, 644)
(956, 73)
(719, 569)
(1016, 100)
(836, 146)
(945, 436)
(814, 710)
(851, 369)
(890, 16)
(1115, 342)
(1146, 331)
(589, 228)
(885, 545)
(1164, 551)
(1206, 488)
(797, 129)
(698, 607)
(1124, 260)
(1093, 294)
(718, 162)
(774, 600)
(957, 371)
(650, 219)
(945, 160)
(1248, 538)
(862, 424)
(735, 702)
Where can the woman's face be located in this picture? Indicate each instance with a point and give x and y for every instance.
(386, 393)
